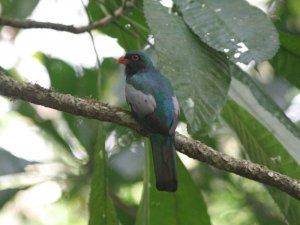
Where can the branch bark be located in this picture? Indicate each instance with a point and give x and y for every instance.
(104, 112)
(31, 24)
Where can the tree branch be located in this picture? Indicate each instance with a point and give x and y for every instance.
(100, 111)
(30, 24)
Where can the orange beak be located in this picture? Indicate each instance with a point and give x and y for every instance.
(122, 60)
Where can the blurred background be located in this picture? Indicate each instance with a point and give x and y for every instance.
(44, 154)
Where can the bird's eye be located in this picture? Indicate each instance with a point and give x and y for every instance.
(135, 58)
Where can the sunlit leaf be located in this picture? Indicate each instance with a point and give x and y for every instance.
(275, 135)
(247, 94)
(232, 26)
(199, 74)
(263, 148)
(186, 206)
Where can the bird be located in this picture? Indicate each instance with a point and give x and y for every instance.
(154, 105)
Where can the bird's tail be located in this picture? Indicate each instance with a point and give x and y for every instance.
(164, 160)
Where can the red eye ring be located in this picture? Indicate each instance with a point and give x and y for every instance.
(135, 58)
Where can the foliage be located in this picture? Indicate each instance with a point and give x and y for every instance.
(198, 45)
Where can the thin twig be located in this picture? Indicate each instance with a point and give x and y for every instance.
(31, 24)
(100, 111)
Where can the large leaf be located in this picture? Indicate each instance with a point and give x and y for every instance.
(199, 74)
(270, 122)
(246, 93)
(100, 205)
(263, 148)
(186, 206)
(233, 26)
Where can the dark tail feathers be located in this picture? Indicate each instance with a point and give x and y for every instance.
(164, 160)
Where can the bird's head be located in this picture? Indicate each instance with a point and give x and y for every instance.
(135, 61)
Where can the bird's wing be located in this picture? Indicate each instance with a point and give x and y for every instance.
(166, 123)
(142, 104)
(150, 96)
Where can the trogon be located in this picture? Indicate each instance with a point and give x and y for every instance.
(154, 105)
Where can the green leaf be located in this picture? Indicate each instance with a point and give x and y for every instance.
(186, 206)
(62, 76)
(286, 65)
(100, 205)
(131, 29)
(199, 75)
(286, 61)
(280, 136)
(263, 148)
(17, 9)
(247, 94)
(290, 42)
(294, 7)
(233, 26)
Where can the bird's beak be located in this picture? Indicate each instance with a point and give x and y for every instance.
(122, 60)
